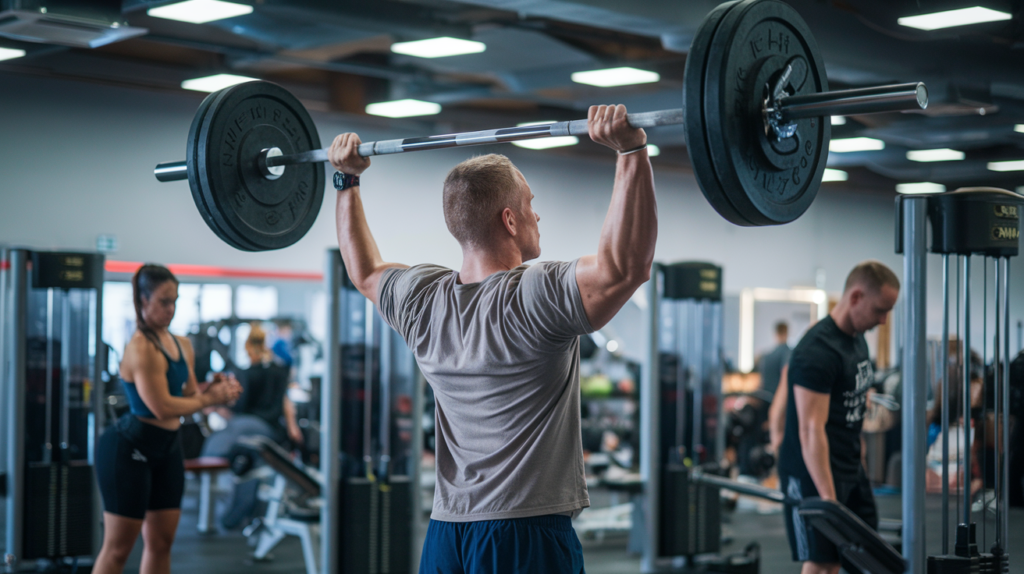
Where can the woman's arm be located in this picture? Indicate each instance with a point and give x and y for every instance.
(191, 387)
(149, 369)
(294, 432)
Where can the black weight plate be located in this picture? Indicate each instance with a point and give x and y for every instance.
(693, 110)
(244, 119)
(195, 179)
(755, 40)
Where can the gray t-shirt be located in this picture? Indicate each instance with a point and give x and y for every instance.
(503, 358)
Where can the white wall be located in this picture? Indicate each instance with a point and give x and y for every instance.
(76, 161)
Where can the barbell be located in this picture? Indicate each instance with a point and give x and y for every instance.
(755, 113)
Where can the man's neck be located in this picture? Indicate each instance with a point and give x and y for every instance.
(478, 265)
(841, 315)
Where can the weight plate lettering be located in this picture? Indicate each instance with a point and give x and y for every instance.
(260, 214)
(769, 183)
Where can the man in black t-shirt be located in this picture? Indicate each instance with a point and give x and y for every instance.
(829, 376)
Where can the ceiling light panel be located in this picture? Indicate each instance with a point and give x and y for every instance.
(855, 144)
(215, 82)
(200, 11)
(438, 47)
(10, 53)
(838, 120)
(615, 77)
(834, 175)
(1019, 128)
(403, 109)
(950, 18)
(921, 187)
(1016, 165)
(928, 155)
(547, 143)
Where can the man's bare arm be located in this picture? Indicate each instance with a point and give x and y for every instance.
(359, 251)
(812, 414)
(777, 412)
(626, 247)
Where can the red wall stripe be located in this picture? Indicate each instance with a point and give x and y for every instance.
(112, 266)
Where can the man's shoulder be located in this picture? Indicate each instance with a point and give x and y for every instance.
(818, 340)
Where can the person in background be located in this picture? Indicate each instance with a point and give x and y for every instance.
(829, 375)
(139, 463)
(772, 363)
(282, 346)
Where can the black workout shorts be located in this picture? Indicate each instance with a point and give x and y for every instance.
(806, 543)
(139, 467)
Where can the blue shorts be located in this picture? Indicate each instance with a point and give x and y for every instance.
(538, 544)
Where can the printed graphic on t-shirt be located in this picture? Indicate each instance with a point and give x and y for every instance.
(854, 401)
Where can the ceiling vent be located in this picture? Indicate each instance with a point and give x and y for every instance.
(45, 27)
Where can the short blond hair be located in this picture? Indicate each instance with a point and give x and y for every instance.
(872, 275)
(476, 192)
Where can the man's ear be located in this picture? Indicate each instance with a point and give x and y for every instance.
(508, 219)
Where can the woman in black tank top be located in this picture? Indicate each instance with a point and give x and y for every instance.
(139, 462)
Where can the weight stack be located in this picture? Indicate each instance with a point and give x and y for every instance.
(690, 515)
(58, 510)
(376, 526)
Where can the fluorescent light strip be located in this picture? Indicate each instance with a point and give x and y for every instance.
(927, 155)
(438, 47)
(1016, 165)
(922, 187)
(855, 144)
(403, 108)
(653, 150)
(1019, 128)
(10, 53)
(838, 120)
(200, 11)
(547, 143)
(214, 82)
(615, 77)
(950, 18)
(834, 175)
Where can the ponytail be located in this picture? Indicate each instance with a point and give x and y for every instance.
(146, 280)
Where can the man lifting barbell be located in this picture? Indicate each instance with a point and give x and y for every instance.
(828, 378)
(498, 341)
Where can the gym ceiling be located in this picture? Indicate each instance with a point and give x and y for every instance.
(336, 56)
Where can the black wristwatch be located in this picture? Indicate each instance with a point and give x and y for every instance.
(343, 181)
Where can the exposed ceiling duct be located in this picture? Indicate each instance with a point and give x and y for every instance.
(78, 24)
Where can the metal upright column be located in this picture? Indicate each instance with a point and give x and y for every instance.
(965, 399)
(16, 403)
(945, 401)
(914, 381)
(1006, 400)
(330, 416)
(650, 435)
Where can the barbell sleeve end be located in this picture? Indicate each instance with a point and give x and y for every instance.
(171, 171)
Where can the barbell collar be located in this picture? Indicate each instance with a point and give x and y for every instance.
(171, 171)
(877, 99)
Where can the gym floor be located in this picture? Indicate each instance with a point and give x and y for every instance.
(228, 552)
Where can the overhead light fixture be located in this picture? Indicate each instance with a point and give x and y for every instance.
(615, 77)
(438, 47)
(1019, 128)
(838, 120)
(835, 175)
(653, 150)
(1016, 165)
(403, 108)
(855, 144)
(922, 187)
(926, 155)
(200, 11)
(545, 143)
(950, 18)
(10, 53)
(215, 82)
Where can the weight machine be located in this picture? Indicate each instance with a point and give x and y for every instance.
(50, 381)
